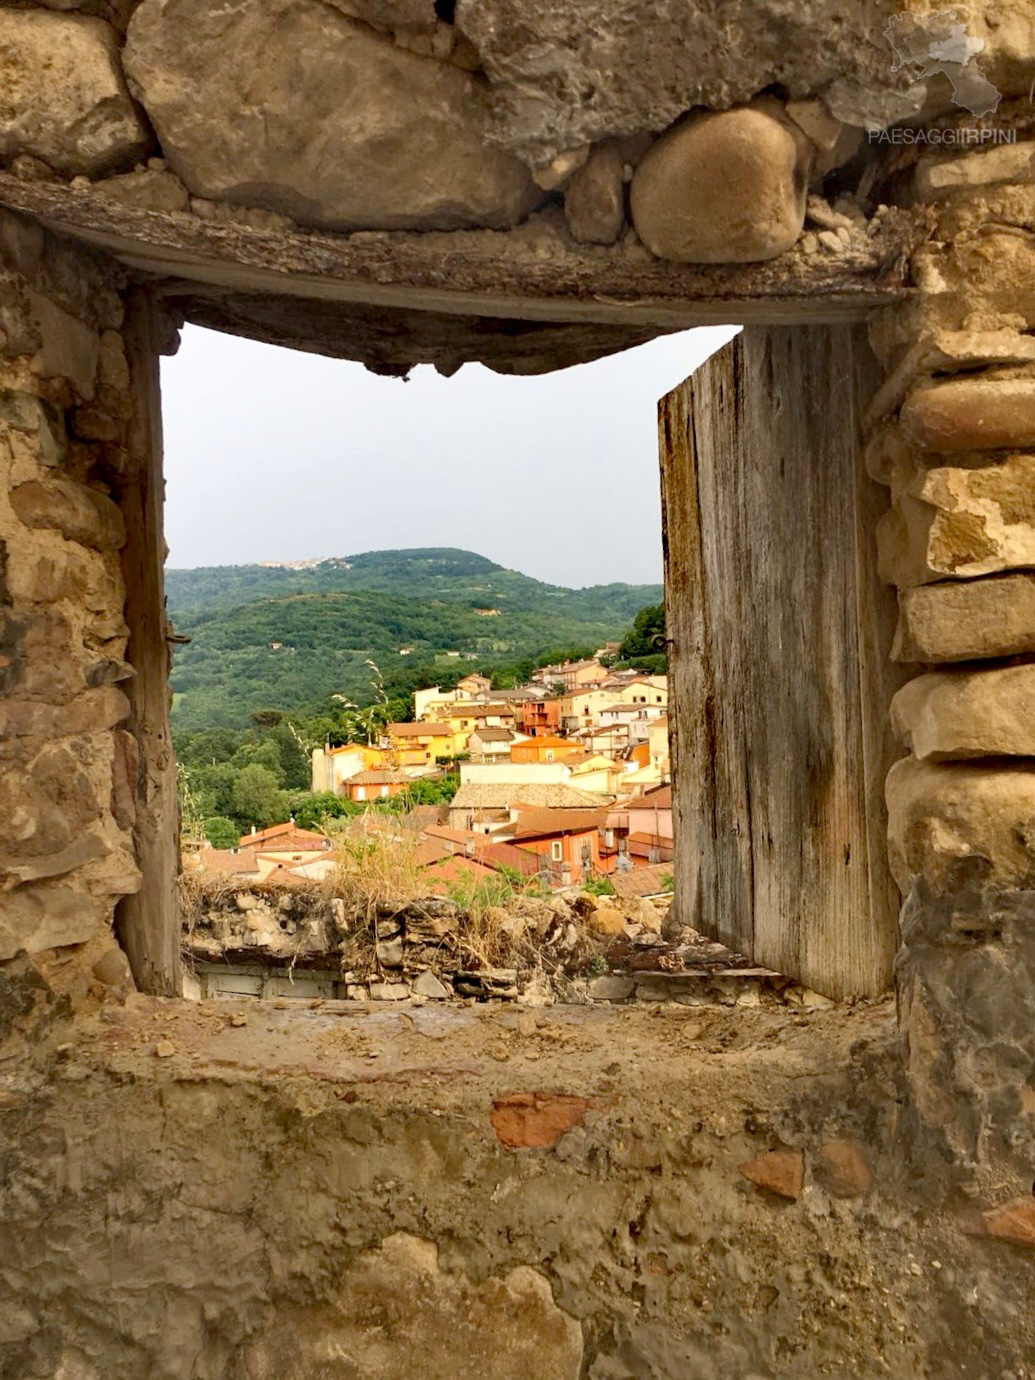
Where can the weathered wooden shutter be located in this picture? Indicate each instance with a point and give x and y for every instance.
(780, 677)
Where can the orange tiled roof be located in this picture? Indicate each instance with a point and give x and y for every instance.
(443, 831)
(285, 836)
(543, 823)
(510, 856)
(227, 862)
(652, 880)
(456, 869)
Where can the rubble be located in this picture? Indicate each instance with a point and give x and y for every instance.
(300, 941)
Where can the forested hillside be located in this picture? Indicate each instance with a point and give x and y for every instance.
(265, 637)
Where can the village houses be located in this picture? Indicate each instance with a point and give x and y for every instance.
(566, 779)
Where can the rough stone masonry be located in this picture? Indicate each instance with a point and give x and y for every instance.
(401, 181)
(68, 782)
(953, 433)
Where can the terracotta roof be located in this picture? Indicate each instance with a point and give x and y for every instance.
(661, 796)
(494, 735)
(431, 850)
(489, 711)
(500, 796)
(544, 823)
(510, 856)
(545, 741)
(263, 837)
(642, 881)
(443, 831)
(456, 869)
(420, 730)
(227, 862)
(294, 856)
(299, 842)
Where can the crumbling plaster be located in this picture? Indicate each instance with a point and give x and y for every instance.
(298, 1193)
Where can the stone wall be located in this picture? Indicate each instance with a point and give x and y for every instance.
(693, 134)
(954, 434)
(67, 768)
(234, 1191)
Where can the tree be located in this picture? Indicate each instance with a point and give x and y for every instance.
(266, 718)
(265, 754)
(213, 789)
(646, 637)
(258, 800)
(222, 832)
(311, 808)
(430, 790)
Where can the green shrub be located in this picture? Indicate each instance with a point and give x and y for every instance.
(221, 832)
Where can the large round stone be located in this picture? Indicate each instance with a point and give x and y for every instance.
(292, 106)
(723, 188)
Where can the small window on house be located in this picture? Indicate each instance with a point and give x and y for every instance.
(556, 850)
(549, 754)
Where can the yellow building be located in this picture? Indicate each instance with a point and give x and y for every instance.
(596, 773)
(422, 744)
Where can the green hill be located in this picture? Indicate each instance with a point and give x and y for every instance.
(265, 636)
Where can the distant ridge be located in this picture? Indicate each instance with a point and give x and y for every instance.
(290, 634)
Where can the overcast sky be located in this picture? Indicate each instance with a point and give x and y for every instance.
(274, 455)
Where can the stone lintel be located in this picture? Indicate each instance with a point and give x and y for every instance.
(535, 273)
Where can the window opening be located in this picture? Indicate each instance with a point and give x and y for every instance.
(345, 588)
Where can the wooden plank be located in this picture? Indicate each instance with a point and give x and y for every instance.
(535, 272)
(148, 923)
(780, 678)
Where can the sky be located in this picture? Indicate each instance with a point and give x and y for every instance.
(276, 455)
